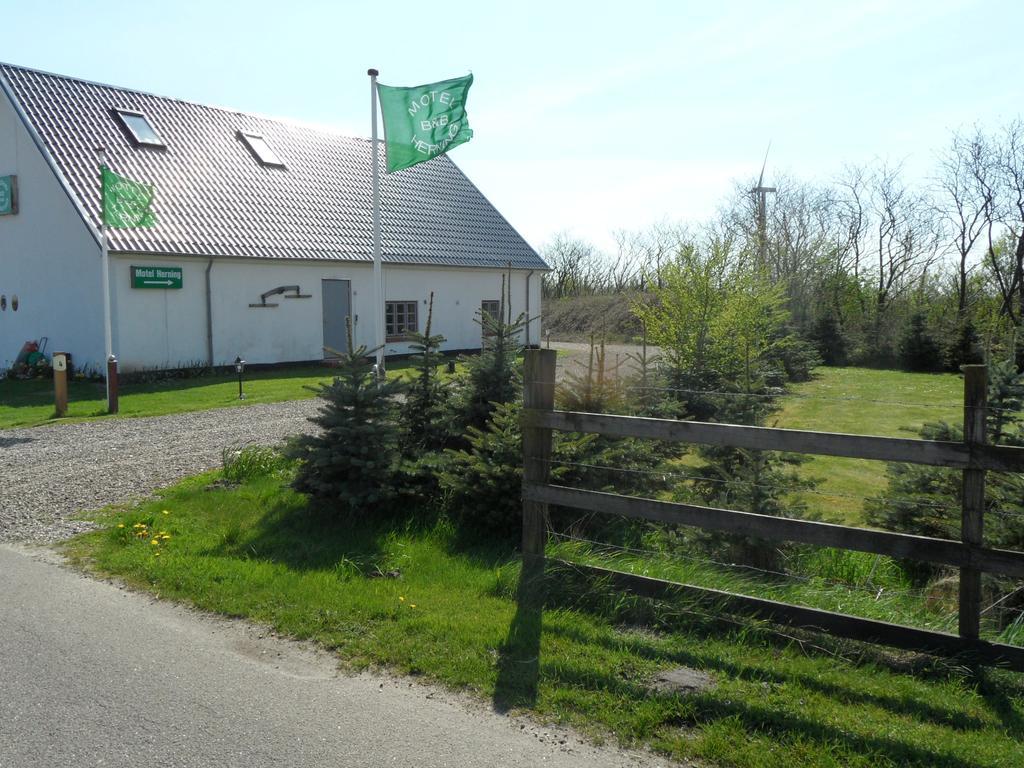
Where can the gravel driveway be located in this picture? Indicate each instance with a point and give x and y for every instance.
(50, 473)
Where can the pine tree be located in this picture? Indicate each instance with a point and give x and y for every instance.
(483, 482)
(918, 350)
(829, 340)
(492, 376)
(424, 413)
(351, 462)
(965, 349)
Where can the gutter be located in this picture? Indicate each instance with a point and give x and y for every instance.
(209, 316)
(528, 319)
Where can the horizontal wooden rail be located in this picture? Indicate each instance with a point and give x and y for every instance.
(931, 452)
(903, 545)
(839, 624)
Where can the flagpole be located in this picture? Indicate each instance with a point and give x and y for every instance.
(378, 268)
(105, 255)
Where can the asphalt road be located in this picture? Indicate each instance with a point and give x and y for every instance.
(95, 675)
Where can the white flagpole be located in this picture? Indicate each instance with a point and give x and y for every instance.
(378, 268)
(105, 254)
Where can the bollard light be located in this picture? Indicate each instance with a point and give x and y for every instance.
(239, 367)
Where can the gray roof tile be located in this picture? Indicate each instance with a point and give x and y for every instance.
(213, 198)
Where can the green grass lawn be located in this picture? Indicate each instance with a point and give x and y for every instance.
(30, 403)
(257, 551)
(839, 400)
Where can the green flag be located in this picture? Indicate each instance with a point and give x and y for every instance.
(424, 121)
(126, 203)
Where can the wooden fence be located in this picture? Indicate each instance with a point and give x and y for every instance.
(969, 554)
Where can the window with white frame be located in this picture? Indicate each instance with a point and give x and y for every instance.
(400, 319)
(491, 308)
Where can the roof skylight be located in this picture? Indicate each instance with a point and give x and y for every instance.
(141, 130)
(260, 149)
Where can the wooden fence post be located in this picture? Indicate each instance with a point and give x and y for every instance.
(538, 394)
(972, 513)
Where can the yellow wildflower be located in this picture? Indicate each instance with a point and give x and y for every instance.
(401, 598)
(412, 605)
(155, 543)
(167, 512)
(120, 525)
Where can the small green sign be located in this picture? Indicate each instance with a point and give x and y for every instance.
(8, 195)
(156, 277)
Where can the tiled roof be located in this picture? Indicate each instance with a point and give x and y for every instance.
(214, 199)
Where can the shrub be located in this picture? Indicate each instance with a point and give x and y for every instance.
(353, 459)
(483, 483)
(798, 358)
(250, 462)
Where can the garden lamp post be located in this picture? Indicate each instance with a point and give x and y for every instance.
(239, 367)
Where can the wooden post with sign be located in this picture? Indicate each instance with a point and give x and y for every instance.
(60, 383)
(112, 385)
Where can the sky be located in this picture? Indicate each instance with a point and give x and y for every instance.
(589, 117)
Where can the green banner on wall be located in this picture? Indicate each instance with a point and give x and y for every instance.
(156, 277)
(8, 195)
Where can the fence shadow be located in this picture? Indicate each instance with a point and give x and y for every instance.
(519, 656)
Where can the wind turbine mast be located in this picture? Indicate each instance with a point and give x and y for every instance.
(760, 193)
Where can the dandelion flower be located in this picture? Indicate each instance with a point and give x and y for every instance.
(412, 605)
(120, 525)
(167, 511)
(155, 543)
(401, 598)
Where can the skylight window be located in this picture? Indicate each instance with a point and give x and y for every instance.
(260, 149)
(141, 130)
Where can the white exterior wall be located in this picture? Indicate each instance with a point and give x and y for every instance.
(51, 262)
(48, 258)
(167, 327)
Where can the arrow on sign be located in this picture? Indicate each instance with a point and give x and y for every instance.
(158, 282)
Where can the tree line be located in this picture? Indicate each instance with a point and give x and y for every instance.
(872, 269)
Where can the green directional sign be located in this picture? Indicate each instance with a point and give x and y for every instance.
(156, 277)
(8, 195)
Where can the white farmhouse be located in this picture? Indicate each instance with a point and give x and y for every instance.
(263, 243)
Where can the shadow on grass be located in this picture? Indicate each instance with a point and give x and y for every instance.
(900, 705)
(304, 538)
(704, 709)
(571, 592)
(519, 657)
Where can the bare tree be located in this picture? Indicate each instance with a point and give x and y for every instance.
(889, 240)
(1009, 272)
(966, 188)
(572, 263)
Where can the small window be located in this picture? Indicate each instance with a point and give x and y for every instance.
(400, 319)
(490, 308)
(260, 149)
(141, 130)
